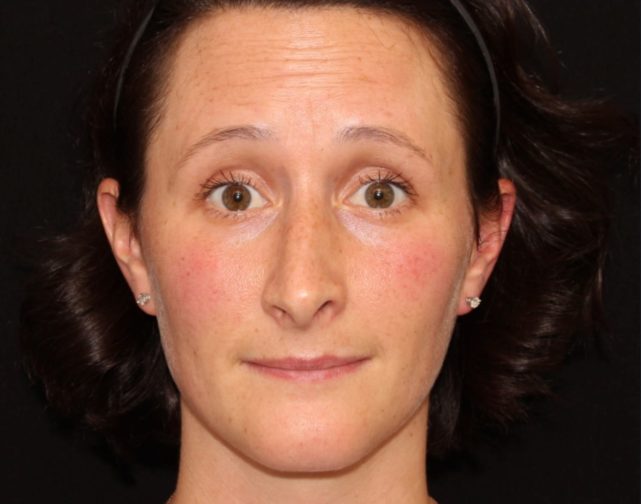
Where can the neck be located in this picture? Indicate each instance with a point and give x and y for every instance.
(211, 473)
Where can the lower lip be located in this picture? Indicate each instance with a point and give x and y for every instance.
(308, 375)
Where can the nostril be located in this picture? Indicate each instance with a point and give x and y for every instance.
(279, 313)
(325, 305)
(301, 314)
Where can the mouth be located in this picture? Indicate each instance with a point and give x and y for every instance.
(307, 370)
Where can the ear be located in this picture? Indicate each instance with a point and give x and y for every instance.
(493, 228)
(123, 240)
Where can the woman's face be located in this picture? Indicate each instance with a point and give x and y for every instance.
(306, 233)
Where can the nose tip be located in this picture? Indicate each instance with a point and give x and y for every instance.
(306, 284)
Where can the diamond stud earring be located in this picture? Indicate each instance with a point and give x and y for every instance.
(473, 302)
(142, 299)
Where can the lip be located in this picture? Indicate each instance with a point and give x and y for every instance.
(307, 370)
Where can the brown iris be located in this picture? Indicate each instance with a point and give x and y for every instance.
(236, 198)
(379, 195)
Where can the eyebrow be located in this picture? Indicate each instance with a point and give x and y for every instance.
(224, 134)
(350, 134)
(384, 135)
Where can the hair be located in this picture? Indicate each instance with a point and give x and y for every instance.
(99, 357)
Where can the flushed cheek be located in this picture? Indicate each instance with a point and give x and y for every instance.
(415, 312)
(415, 306)
(414, 270)
(199, 282)
(416, 264)
(418, 261)
(204, 294)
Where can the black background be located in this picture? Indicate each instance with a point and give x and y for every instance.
(581, 448)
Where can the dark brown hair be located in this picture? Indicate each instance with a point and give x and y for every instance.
(99, 357)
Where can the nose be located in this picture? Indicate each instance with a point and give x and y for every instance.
(306, 284)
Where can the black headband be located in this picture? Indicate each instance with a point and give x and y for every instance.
(461, 9)
(125, 63)
(487, 58)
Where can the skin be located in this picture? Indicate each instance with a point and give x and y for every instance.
(310, 269)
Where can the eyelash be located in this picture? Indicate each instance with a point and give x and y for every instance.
(227, 178)
(222, 179)
(392, 179)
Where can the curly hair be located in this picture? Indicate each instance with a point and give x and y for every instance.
(99, 358)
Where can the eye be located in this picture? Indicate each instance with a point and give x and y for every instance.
(235, 197)
(379, 194)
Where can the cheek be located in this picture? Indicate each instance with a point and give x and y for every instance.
(197, 276)
(419, 272)
(417, 308)
(415, 264)
(421, 263)
(198, 282)
(204, 291)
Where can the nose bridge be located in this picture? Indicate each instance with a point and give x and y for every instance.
(306, 281)
(306, 231)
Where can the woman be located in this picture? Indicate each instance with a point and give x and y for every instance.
(305, 197)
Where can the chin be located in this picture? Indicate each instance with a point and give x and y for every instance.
(310, 446)
(308, 458)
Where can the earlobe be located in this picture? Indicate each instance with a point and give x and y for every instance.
(493, 229)
(125, 245)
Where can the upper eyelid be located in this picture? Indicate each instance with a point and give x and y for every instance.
(228, 177)
(388, 176)
(222, 179)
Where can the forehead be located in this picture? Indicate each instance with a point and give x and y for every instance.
(309, 65)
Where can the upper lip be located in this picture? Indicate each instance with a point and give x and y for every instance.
(306, 364)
